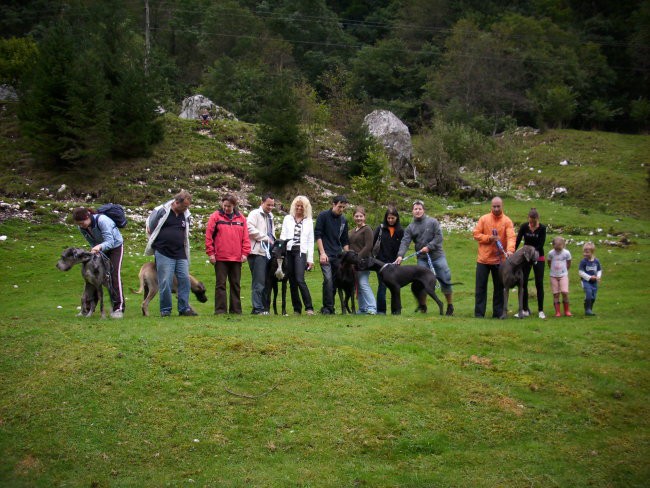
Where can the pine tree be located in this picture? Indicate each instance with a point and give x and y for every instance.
(281, 146)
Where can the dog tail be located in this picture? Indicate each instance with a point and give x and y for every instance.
(449, 284)
(139, 291)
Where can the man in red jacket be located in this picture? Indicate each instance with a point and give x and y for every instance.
(227, 246)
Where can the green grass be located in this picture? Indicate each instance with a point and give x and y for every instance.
(413, 401)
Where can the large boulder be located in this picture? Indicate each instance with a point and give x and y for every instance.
(193, 106)
(8, 93)
(396, 139)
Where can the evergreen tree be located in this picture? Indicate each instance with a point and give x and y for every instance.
(281, 145)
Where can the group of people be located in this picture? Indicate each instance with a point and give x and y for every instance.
(232, 239)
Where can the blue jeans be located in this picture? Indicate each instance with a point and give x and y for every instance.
(441, 268)
(590, 288)
(167, 268)
(367, 303)
(259, 266)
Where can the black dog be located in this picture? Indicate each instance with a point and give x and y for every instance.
(511, 272)
(96, 272)
(345, 280)
(422, 280)
(278, 274)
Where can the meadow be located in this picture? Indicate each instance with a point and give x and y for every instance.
(416, 400)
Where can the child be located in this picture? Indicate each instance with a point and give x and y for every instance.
(559, 260)
(590, 274)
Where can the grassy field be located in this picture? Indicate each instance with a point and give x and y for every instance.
(410, 401)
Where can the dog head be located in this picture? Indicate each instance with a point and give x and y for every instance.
(72, 256)
(199, 292)
(530, 254)
(279, 249)
(349, 258)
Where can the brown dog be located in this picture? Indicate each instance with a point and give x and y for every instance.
(149, 283)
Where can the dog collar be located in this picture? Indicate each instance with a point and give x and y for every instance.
(382, 268)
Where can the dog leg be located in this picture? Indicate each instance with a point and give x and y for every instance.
(520, 293)
(150, 293)
(417, 288)
(506, 292)
(431, 291)
(284, 297)
(395, 299)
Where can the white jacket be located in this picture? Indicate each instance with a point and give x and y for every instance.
(256, 222)
(306, 236)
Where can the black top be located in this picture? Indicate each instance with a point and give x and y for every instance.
(536, 239)
(333, 231)
(171, 238)
(389, 245)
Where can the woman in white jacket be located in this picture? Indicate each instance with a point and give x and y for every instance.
(298, 230)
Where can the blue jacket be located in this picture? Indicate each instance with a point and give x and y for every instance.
(102, 231)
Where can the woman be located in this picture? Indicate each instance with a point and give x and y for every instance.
(386, 240)
(101, 232)
(534, 234)
(361, 242)
(298, 230)
(227, 246)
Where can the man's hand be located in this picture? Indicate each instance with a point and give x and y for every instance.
(323, 259)
(398, 261)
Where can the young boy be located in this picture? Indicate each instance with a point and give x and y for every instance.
(559, 260)
(590, 274)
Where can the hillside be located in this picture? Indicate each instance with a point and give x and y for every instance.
(606, 172)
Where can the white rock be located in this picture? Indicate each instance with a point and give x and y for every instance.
(59, 306)
(3, 238)
(61, 188)
(564, 163)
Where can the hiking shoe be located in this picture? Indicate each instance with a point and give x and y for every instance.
(541, 315)
(309, 312)
(524, 313)
(117, 314)
(165, 314)
(450, 310)
(188, 313)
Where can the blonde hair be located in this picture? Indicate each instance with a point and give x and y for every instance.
(559, 239)
(589, 245)
(306, 205)
(360, 210)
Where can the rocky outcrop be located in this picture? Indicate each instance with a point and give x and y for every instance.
(396, 139)
(193, 106)
(8, 93)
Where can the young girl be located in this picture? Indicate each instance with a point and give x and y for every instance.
(590, 274)
(533, 233)
(361, 242)
(559, 260)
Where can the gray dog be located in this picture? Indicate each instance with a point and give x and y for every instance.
(511, 272)
(421, 279)
(149, 283)
(95, 271)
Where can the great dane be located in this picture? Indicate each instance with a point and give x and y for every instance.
(149, 283)
(96, 272)
(421, 279)
(345, 281)
(511, 272)
(278, 274)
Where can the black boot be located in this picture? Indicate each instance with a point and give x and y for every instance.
(588, 305)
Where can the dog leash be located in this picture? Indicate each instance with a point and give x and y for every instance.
(266, 249)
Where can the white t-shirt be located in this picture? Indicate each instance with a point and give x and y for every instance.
(558, 262)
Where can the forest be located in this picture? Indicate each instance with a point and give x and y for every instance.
(95, 71)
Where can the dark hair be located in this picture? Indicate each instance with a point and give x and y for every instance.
(80, 214)
(391, 210)
(266, 196)
(230, 198)
(339, 199)
(533, 214)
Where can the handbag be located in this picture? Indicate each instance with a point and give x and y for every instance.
(375, 248)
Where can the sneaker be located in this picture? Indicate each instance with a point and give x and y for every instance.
(524, 313)
(165, 314)
(310, 312)
(450, 310)
(188, 313)
(117, 314)
(541, 315)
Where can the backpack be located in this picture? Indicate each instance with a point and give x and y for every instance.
(114, 212)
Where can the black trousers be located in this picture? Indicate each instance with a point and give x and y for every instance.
(115, 255)
(483, 271)
(231, 271)
(538, 270)
(296, 265)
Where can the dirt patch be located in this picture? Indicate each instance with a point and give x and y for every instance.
(28, 465)
(511, 405)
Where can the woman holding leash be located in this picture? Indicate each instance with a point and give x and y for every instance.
(361, 242)
(386, 241)
(298, 231)
(533, 233)
(101, 232)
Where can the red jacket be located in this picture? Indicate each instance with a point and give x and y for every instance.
(227, 239)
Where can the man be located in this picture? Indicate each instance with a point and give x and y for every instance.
(496, 241)
(331, 234)
(168, 228)
(426, 234)
(261, 232)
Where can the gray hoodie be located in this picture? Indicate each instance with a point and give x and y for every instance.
(424, 232)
